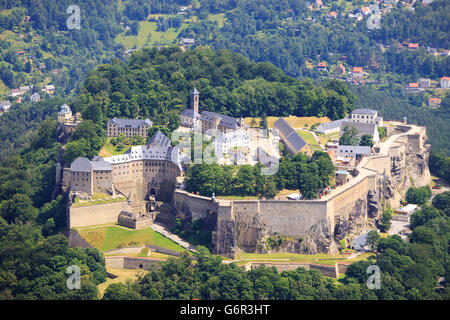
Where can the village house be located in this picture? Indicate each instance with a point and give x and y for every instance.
(413, 46)
(412, 87)
(366, 116)
(322, 66)
(329, 127)
(445, 82)
(424, 83)
(434, 102)
(357, 73)
(35, 97)
(5, 105)
(50, 89)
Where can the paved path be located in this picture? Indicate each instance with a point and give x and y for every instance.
(165, 232)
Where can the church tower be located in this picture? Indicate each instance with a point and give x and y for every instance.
(195, 99)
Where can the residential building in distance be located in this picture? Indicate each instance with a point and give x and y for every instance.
(291, 138)
(412, 87)
(413, 46)
(424, 83)
(322, 66)
(35, 97)
(357, 73)
(445, 82)
(434, 102)
(5, 105)
(50, 89)
(129, 127)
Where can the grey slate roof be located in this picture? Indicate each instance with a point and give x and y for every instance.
(364, 111)
(329, 125)
(289, 134)
(130, 123)
(195, 91)
(190, 113)
(159, 139)
(81, 164)
(363, 128)
(99, 164)
(225, 121)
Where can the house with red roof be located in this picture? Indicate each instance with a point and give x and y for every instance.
(413, 46)
(434, 102)
(445, 82)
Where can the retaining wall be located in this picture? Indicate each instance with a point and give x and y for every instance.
(96, 214)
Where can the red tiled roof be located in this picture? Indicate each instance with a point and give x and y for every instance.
(414, 85)
(413, 45)
(357, 69)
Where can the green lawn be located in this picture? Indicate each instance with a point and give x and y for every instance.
(148, 36)
(77, 203)
(220, 18)
(107, 238)
(111, 150)
(309, 138)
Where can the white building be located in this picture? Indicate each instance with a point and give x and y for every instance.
(35, 97)
(366, 116)
(230, 141)
(352, 151)
(5, 105)
(329, 127)
(445, 82)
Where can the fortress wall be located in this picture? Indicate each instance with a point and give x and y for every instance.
(379, 164)
(292, 218)
(96, 214)
(193, 205)
(343, 203)
(131, 263)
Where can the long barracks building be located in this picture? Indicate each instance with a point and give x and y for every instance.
(140, 170)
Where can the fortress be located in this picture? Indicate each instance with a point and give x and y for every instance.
(316, 226)
(297, 226)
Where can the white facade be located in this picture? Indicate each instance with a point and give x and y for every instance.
(230, 140)
(445, 82)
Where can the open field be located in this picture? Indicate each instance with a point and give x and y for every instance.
(110, 237)
(148, 36)
(123, 276)
(219, 18)
(295, 122)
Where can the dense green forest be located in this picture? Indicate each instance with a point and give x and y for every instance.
(34, 255)
(409, 270)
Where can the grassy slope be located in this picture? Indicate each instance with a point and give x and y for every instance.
(111, 237)
(156, 38)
